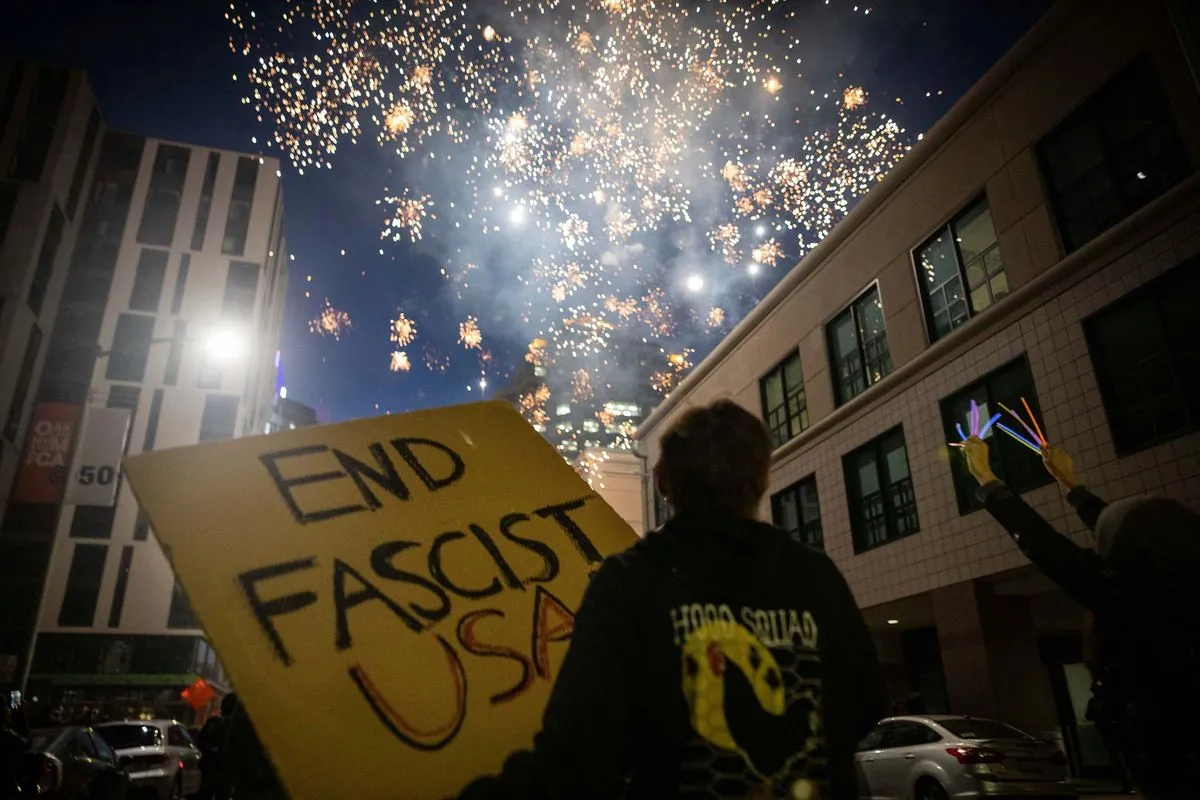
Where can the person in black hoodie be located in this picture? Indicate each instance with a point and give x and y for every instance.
(717, 658)
(1140, 585)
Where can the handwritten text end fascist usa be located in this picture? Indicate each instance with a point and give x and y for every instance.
(376, 479)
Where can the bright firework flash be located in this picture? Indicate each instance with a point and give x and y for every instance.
(404, 330)
(399, 362)
(330, 322)
(583, 160)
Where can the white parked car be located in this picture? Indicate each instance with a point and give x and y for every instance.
(157, 754)
(939, 757)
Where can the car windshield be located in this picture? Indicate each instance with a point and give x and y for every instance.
(121, 737)
(965, 728)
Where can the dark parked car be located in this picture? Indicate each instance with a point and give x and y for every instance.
(73, 764)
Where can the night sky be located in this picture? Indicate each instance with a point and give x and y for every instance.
(165, 69)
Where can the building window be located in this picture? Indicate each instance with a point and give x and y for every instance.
(16, 408)
(185, 264)
(241, 289)
(237, 225)
(208, 375)
(879, 489)
(118, 598)
(206, 198)
(130, 348)
(163, 196)
(1146, 351)
(92, 522)
(783, 403)
(85, 158)
(39, 122)
(662, 507)
(1112, 155)
(8, 98)
(960, 271)
(149, 280)
(797, 510)
(1011, 461)
(44, 269)
(141, 527)
(175, 353)
(220, 417)
(124, 396)
(181, 614)
(9, 192)
(858, 347)
(152, 421)
(83, 586)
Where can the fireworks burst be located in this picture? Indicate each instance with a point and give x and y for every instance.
(330, 322)
(469, 335)
(399, 362)
(716, 317)
(407, 216)
(404, 330)
(853, 97)
(767, 253)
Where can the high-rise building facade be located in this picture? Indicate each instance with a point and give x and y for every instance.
(171, 310)
(1042, 242)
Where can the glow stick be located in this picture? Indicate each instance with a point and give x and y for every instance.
(1017, 417)
(1019, 438)
(974, 418)
(1033, 419)
(961, 435)
(988, 427)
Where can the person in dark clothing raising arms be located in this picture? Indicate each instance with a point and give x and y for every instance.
(716, 658)
(1140, 586)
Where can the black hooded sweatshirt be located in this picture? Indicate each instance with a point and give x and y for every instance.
(717, 658)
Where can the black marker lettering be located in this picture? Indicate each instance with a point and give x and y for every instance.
(284, 485)
(439, 574)
(574, 532)
(388, 479)
(550, 570)
(484, 539)
(343, 602)
(404, 448)
(381, 563)
(264, 610)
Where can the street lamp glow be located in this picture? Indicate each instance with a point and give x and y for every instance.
(695, 283)
(752, 269)
(225, 345)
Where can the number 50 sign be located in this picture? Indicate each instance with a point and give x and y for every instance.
(98, 460)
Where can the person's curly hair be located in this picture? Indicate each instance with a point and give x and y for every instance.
(715, 459)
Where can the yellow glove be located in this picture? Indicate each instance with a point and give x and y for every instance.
(1060, 466)
(976, 452)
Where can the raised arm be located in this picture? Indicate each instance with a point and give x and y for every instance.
(1087, 505)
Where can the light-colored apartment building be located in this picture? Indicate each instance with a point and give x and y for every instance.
(1041, 242)
(170, 314)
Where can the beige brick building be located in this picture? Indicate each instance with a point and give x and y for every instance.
(1042, 241)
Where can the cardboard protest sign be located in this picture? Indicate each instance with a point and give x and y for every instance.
(393, 596)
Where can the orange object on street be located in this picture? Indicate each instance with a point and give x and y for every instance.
(199, 694)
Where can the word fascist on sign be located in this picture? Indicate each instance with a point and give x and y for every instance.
(405, 585)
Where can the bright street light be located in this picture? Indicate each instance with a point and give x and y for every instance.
(225, 344)
(695, 283)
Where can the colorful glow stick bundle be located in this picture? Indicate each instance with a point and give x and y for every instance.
(973, 420)
(1038, 443)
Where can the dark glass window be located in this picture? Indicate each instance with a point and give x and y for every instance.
(175, 354)
(220, 417)
(141, 528)
(185, 263)
(9, 192)
(44, 268)
(797, 510)
(78, 325)
(39, 122)
(163, 196)
(83, 585)
(1146, 351)
(8, 97)
(783, 402)
(118, 598)
(960, 271)
(241, 288)
(152, 421)
(92, 522)
(206, 198)
(1012, 462)
(149, 280)
(879, 490)
(181, 614)
(85, 158)
(16, 408)
(130, 348)
(237, 225)
(125, 396)
(858, 347)
(1112, 155)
